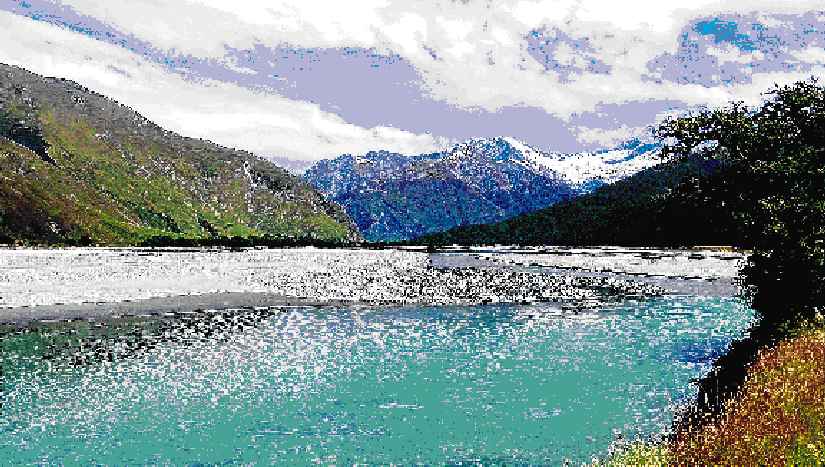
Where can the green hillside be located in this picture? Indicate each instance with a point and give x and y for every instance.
(76, 167)
(659, 206)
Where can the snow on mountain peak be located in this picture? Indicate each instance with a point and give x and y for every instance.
(518, 145)
(581, 168)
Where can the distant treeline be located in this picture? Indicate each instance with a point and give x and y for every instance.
(662, 206)
(205, 242)
(245, 242)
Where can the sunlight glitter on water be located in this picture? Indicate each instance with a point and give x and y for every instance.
(416, 384)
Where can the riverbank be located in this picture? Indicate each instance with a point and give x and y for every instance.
(77, 283)
(161, 306)
(776, 418)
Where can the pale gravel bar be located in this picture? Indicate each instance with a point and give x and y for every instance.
(710, 272)
(102, 283)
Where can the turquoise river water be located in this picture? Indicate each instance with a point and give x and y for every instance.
(430, 385)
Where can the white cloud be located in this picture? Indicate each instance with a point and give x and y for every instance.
(608, 138)
(625, 36)
(728, 53)
(226, 114)
(565, 55)
(410, 31)
(810, 55)
(203, 27)
(484, 62)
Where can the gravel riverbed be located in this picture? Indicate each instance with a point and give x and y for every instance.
(43, 277)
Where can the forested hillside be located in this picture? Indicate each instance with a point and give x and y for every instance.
(662, 206)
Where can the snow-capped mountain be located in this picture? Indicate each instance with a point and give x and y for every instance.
(606, 166)
(396, 197)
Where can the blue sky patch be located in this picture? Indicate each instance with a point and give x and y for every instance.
(725, 31)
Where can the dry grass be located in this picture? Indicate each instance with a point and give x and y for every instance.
(777, 418)
(648, 455)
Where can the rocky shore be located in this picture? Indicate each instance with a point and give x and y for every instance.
(78, 282)
(710, 272)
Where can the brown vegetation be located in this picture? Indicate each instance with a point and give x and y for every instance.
(776, 419)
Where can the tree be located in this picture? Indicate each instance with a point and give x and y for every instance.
(774, 184)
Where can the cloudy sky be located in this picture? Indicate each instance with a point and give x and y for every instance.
(306, 79)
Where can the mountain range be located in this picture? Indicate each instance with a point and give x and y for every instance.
(392, 197)
(79, 168)
(76, 167)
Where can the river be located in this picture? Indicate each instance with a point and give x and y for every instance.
(417, 384)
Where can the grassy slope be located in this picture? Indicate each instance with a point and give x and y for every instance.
(96, 171)
(776, 418)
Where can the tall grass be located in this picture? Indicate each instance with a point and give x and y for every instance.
(777, 418)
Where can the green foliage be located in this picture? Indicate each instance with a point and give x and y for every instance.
(77, 168)
(775, 173)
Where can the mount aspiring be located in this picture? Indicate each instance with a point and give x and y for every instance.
(392, 197)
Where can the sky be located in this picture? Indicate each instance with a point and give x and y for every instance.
(307, 79)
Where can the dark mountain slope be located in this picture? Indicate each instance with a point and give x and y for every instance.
(78, 167)
(658, 206)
